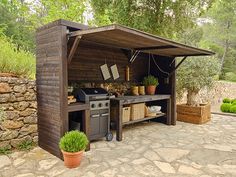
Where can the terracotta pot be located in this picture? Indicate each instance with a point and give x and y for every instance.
(72, 159)
(151, 89)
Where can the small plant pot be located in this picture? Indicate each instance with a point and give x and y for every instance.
(72, 159)
(151, 89)
(134, 90)
(141, 90)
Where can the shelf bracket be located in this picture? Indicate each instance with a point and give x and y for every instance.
(178, 65)
(73, 48)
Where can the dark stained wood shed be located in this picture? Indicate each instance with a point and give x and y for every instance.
(70, 52)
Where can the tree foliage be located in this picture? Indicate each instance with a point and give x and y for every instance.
(194, 74)
(14, 22)
(46, 11)
(162, 17)
(220, 34)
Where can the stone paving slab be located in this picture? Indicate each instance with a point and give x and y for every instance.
(148, 149)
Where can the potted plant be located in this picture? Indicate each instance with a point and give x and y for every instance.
(193, 75)
(150, 82)
(72, 145)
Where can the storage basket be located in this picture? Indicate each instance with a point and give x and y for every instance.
(125, 114)
(137, 111)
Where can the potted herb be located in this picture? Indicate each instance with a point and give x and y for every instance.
(72, 145)
(193, 75)
(150, 82)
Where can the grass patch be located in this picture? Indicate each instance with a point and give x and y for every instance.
(15, 61)
(25, 146)
(4, 151)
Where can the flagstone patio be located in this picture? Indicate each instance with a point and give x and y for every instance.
(148, 149)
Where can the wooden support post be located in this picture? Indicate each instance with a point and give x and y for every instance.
(86, 125)
(119, 123)
(168, 112)
(73, 49)
(173, 95)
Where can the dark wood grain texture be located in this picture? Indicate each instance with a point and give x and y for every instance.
(121, 101)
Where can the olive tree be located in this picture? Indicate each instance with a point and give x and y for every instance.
(194, 74)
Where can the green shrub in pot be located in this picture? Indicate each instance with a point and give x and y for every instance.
(150, 82)
(72, 145)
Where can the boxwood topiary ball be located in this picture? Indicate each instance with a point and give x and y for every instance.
(73, 141)
(225, 107)
(233, 109)
(234, 103)
(226, 100)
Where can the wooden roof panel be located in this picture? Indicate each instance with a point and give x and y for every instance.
(127, 38)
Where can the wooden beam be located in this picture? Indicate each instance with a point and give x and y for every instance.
(172, 72)
(73, 49)
(156, 47)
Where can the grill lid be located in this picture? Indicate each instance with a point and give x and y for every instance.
(94, 91)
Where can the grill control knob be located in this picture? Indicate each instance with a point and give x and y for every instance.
(100, 105)
(92, 105)
(107, 104)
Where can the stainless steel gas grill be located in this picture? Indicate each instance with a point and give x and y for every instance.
(99, 102)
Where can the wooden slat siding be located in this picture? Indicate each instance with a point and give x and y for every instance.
(63, 81)
(85, 65)
(173, 95)
(48, 39)
(50, 92)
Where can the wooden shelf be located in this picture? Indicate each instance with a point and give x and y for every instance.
(143, 119)
(78, 106)
(140, 98)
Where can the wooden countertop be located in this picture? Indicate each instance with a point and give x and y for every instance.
(78, 106)
(140, 98)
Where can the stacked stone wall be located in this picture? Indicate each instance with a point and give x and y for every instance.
(215, 95)
(18, 116)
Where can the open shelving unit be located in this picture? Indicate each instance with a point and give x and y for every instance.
(143, 119)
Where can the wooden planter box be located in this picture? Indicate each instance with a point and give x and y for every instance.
(194, 114)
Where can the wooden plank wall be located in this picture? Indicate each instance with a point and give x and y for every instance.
(50, 78)
(165, 87)
(89, 56)
(85, 65)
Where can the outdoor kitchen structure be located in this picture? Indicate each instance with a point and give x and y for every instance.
(71, 55)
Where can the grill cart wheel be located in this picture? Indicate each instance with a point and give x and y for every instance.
(109, 136)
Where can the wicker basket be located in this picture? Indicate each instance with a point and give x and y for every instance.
(125, 113)
(137, 111)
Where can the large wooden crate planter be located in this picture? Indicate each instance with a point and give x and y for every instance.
(194, 114)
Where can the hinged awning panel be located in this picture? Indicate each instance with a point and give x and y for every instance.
(127, 38)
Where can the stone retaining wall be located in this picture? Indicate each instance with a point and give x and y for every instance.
(18, 121)
(219, 91)
(18, 102)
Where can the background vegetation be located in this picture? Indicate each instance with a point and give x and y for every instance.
(210, 24)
